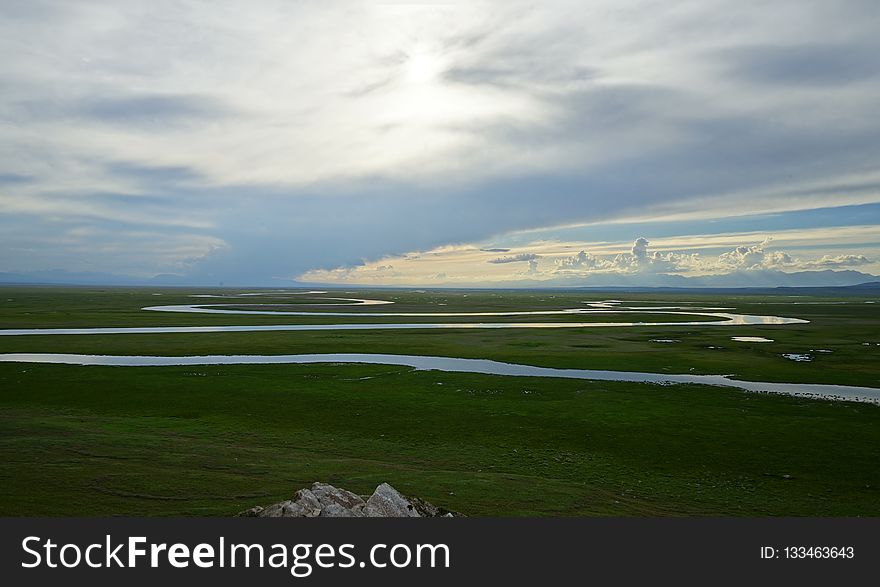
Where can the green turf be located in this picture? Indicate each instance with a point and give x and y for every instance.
(214, 440)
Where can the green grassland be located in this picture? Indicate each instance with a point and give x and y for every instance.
(213, 440)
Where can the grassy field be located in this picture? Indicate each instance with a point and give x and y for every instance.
(214, 440)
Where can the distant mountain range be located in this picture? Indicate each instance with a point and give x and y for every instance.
(64, 277)
(753, 279)
(739, 279)
(862, 289)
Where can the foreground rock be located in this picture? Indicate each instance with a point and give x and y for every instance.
(325, 501)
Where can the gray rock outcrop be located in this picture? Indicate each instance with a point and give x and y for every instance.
(326, 501)
(386, 502)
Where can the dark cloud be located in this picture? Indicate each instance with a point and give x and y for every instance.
(803, 65)
(150, 109)
(14, 179)
(132, 202)
(153, 174)
(157, 111)
(516, 258)
(23, 12)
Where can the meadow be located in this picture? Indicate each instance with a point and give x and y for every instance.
(214, 440)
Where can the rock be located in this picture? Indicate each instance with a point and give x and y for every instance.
(425, 509)
(429, 510)
(325, 501)
(334, 510)
(253, 512)
(304, 504)
(274, 510)
(335, 499)
(386, 502)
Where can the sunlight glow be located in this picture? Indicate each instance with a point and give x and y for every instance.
(423, 68)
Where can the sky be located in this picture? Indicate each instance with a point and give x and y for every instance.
(510, 144)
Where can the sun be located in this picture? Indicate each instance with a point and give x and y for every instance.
(422, 68)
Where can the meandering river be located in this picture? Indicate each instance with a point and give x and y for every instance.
(458, 365)
(449, 364)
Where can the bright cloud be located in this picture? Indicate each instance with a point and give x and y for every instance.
(583, 261)
(755, 257)
(465, 264)
(836, 262)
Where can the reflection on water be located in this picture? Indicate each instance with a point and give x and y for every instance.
(237, 309)
(730, 320)
(723, 319)
(275, 294)
(609, 307)
(457, 365)
(346, 302)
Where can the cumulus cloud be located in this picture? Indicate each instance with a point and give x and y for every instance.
(755, 257)
(640, 249)
(582, 261)
(641, 259)
(634, 263)
(836, 262)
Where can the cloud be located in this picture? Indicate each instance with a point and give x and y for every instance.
(641, 259)
(139, 253)
(461, 80)
(640, 264)
(583, 261)
(755, 257)
(531, 258)
(339, 130)
(151, 109)
(640, 249)
(836, 262)
(14, 179)
(151, 175)
(515, 258)
(808, 64)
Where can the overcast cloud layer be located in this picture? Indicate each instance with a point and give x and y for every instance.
(259, 143)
